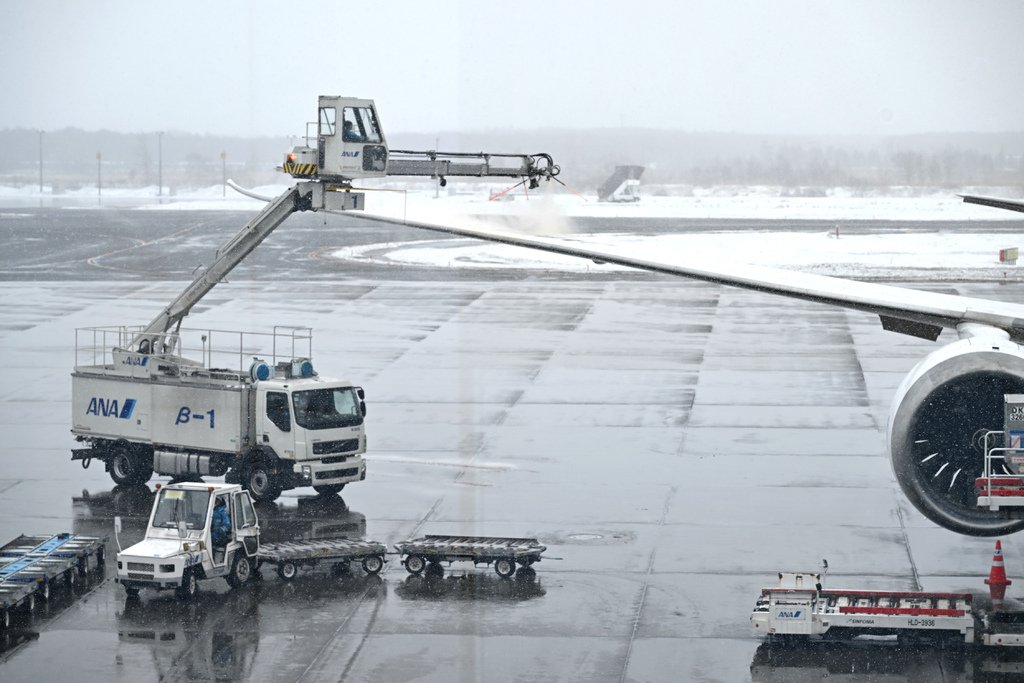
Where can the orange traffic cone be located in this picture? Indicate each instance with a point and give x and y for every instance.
(997, 581)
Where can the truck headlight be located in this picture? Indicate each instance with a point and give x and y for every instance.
(307, 472)
(167, 569)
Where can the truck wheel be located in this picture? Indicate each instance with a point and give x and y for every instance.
(126, 468)
(132, 593)
(260, 483)
(241, 570)
(372, 564)
(415, 564)
(328, 489)
(189, 587)
(122, 468)
(505, 567)
(287, 570)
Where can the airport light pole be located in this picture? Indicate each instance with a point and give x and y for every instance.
(160, 164)
(40, 162)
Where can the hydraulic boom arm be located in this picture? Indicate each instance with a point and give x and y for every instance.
(228, 256)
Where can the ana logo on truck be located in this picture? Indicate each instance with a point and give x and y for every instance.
(109, 407)
(790, 614)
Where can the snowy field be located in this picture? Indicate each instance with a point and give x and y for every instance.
(474, 198)
(841, 250)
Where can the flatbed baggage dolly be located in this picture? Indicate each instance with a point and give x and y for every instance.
(340, 553)
(505, 553)
(30, 567)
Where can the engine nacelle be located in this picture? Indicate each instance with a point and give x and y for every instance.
(938, 415)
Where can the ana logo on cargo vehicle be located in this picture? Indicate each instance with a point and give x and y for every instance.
(790, 614)
(110, 407)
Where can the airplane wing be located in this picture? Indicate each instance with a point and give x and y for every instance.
(1011, 204)
(901, 309)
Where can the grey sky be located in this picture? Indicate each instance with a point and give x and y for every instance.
(255, 68)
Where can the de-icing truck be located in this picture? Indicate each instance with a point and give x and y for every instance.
(159, 398)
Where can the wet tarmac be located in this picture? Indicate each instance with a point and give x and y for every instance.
(674, 444)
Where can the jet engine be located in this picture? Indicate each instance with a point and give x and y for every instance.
(936, 426)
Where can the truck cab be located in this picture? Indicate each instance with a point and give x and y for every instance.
(315, 425)
(187, 540)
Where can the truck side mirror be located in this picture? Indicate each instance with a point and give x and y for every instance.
(117, 531)
(360, 393)
(362, 408)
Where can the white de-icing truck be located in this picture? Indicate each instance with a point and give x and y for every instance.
(159, 398)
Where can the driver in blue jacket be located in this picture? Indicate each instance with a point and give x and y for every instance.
(220, 526)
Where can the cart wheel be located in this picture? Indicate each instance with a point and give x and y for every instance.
(287, 570)
(505, 567)
(372, 564)
(132, 593)
(415, 564)
(435, 569)
(340, 568)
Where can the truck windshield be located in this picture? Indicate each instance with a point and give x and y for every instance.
(327, 408)
(175, 505)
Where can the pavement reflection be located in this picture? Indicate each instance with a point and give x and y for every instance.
(215, 638)
(304, 517)
(474, 586)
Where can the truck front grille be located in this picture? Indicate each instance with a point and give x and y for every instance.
(140, 567)
(343, 446)
(140, 576)
(337, 474)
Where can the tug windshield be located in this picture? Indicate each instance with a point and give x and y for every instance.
(175, 505)
(327, 408)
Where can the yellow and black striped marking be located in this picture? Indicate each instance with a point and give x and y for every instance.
(299, 170)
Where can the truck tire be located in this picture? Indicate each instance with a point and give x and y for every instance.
(328, 489)
(415, 564)
(131, 593)
(128, 468)
(505, 567)
(372, 564)
(189, 587)
(241, 570)
(260, 483)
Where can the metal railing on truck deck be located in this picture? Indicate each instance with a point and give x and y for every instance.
(230, 350)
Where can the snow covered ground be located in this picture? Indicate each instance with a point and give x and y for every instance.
(473, 198)
(910, 255)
